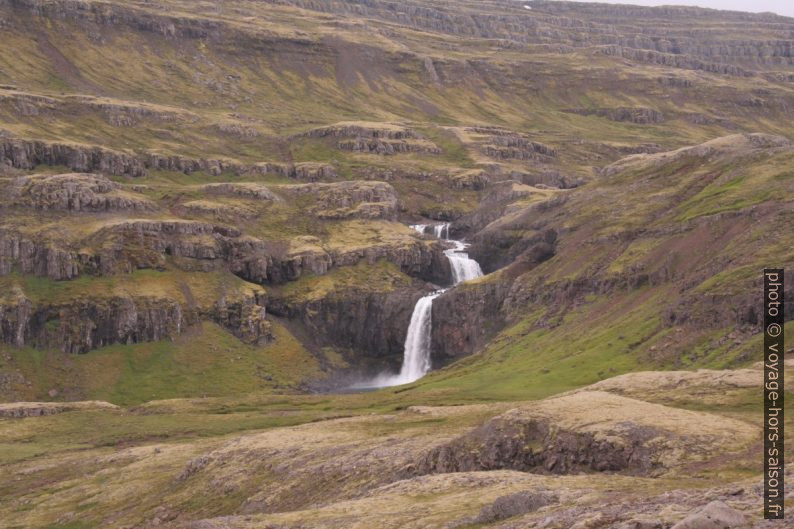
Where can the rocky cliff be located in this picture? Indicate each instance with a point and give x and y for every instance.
(28, 154)
(371, 325)
(89, 322)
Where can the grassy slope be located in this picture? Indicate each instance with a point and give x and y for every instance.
(204, 361)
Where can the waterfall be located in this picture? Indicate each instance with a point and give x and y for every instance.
(416, 353)
(416, 356)
(416, 362)
(441, 231)
(463, 266)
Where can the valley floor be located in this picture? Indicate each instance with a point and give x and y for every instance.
(641, 450)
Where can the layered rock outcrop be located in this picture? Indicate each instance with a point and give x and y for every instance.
(386, 147)
(75, 192)
(125, 246)
(516, 147)
(423, 259)
(219, 211)
(364, 130)
(351, 199)
(589, 431)
(374, 138)
(243, 190)
(633, 115)
(81, 324)
(27, 154)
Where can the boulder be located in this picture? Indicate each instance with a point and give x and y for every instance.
(715, 515)
(514, 505)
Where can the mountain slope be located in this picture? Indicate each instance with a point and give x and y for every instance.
(206, 238)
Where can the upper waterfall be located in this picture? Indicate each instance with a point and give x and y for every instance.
(463, 267)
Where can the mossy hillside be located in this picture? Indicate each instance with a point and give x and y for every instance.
(689, 216)
(274, 100)
(360, 234)
(381, 277)
(203, 361)
(203, 288)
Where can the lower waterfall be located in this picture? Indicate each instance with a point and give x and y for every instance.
(416, 355)
(416, 358)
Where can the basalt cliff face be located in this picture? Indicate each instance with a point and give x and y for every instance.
(206, 219)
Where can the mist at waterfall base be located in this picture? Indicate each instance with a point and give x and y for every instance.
(416, 355)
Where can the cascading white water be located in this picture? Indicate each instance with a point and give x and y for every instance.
(463, 267)
(416, 354)
(441, 231)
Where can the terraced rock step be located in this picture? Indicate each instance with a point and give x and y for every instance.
(352, 199)
(20, 410)
(633, 115)
(82, 323)
(27, 154)
(593, 431)
(74, 192)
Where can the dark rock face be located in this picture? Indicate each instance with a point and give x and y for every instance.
(465, 318)
(27, 154)
(245, 317)
(39, 258)
(149, 244)
(506, 442)
(373, 324)
(494, 249)
(80, 325)
(633, 115)
(514, 505)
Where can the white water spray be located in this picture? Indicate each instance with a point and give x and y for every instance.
(463, 267)
(416, 358)
(416, 355)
